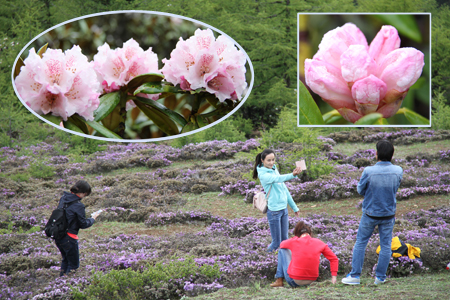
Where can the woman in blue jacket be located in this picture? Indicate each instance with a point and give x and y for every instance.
(76, 219)
(279, 197)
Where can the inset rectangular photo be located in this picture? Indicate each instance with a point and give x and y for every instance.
(364, 70)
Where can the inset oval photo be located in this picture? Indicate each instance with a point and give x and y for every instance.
(132, 76)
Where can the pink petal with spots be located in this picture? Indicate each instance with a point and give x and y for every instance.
(206, 64)
(221, 85)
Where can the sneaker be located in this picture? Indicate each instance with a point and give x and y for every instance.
(350, 280)
(378, 281)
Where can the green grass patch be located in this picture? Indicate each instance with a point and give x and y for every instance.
(429, 286)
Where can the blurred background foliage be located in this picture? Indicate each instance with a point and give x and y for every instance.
(414, 31)
(266, 29)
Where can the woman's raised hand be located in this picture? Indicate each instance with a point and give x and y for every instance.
(297, 171)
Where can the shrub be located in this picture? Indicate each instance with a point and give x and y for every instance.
(441, 112)
(163, 280)
(41, 170)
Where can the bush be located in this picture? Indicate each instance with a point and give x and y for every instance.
(163, 280)
(40, 170)
(226, 130)
(441, 112)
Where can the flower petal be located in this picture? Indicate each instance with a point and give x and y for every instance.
(326, 80)
(388, 110)
(336, 41)
(349, 114)
(386, 41)
(401, 68)
(356, 63)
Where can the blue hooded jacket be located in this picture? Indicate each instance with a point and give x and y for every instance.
(279, 196)
(75, 213)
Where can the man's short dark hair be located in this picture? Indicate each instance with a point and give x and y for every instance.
(385, 150)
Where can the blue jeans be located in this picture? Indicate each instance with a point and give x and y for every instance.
(365, 230)
(284, 259)
(70, 254)
(279, 226)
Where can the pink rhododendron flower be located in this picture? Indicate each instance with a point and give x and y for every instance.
(357, 79)
(115, 68)
(202, 61)
(60, 83)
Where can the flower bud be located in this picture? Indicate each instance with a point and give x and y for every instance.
(368, 93)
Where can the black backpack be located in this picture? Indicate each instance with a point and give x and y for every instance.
(57, 226)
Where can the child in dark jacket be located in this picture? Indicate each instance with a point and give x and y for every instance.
(76, 219)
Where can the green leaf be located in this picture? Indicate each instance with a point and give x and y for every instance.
(199, 90)
(71, 126)
(19, 64)
(160, 119)
(213, 101)
(202, 121)
(103, 130)
(369, 119)
(405, 25)
(381, 121)
(54, 119)
(107, 104)
(143, 78)
(331, 117)
(308, 112)
(217, 112)
(80, 123)
(414, 117)
(156, 88)
(189, 127)
(162, 109)
(42, 50)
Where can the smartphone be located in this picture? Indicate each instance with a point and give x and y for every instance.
(301, 164)
(98, 211)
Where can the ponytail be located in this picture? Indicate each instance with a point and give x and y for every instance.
(258, 160)
(257, 163)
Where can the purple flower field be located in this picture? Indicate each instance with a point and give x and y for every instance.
(149, 184)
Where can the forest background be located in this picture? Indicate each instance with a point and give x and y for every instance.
(266, 29)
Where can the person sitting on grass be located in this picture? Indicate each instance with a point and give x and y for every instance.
(299, 258)
(378, 185)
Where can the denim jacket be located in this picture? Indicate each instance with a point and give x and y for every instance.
(378, 185)
(279, 196)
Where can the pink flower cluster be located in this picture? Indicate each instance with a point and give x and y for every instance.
(358, 79)
(115, 68)
(202, 61)
(59, 83)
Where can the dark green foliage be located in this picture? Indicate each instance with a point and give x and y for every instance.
(151, 283)
(441, 114)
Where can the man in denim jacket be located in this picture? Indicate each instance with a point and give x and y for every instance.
(378, 185)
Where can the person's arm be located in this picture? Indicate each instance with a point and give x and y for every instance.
(83, 222)
(362, 184)
(334, 261)
(275, 178)
(286, 243)
(291, 201)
